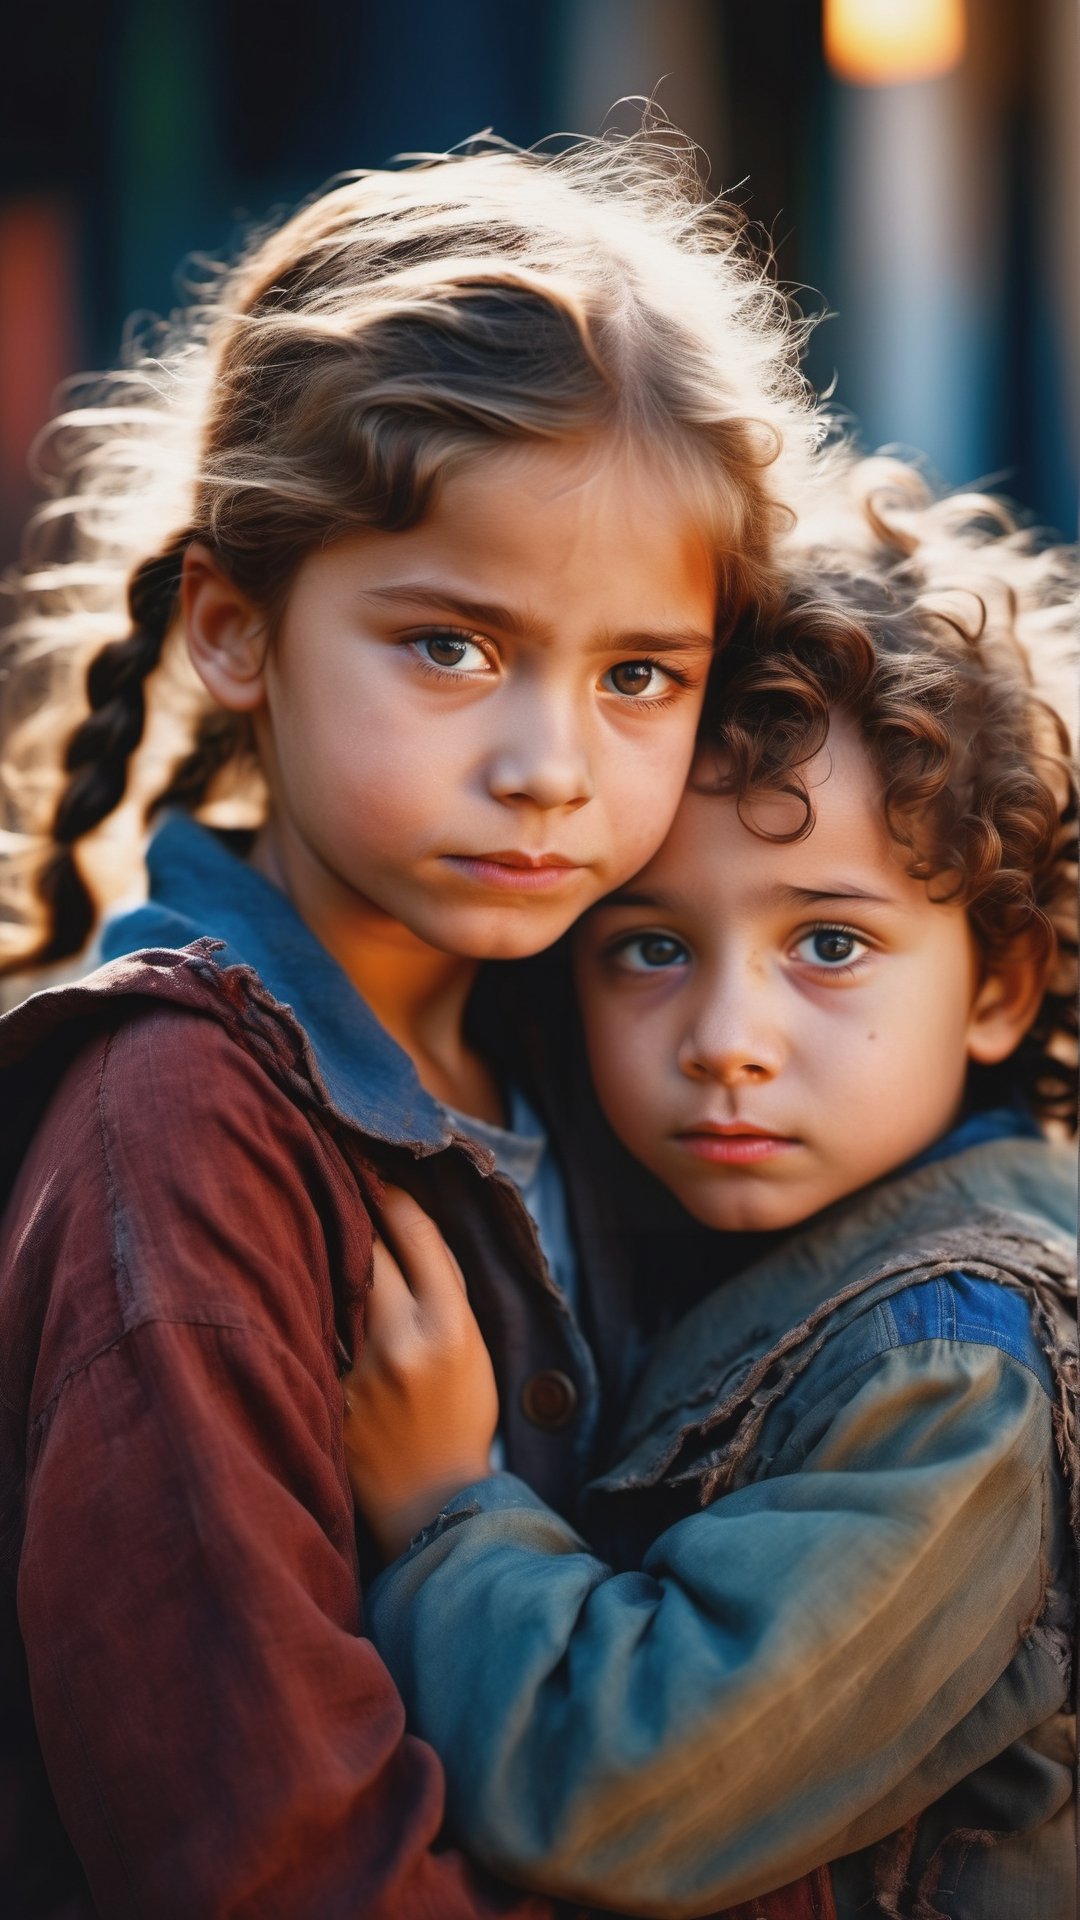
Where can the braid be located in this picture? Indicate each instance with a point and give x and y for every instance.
(219, 738)
(97, 752)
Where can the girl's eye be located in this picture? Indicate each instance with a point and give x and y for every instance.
(834, 948)
(651, 953)
(452, 652)
(632, 678)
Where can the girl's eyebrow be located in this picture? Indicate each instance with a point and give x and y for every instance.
(485, 613)
(490, 613)
(671, 640)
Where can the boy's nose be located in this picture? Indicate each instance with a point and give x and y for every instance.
(732, 1041)
(732, 1066)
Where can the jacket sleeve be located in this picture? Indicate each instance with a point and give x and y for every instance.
(791, 1673)
(219, 1737)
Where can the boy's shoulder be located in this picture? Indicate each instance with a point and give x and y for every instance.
(976, 1250)
(962, 1250)
(971, 1308)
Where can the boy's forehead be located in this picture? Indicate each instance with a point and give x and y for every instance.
(715, 839)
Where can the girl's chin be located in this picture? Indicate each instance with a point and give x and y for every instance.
(508, 937)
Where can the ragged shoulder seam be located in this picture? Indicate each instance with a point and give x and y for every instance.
(253, 1022)
(123, 1282)
(219, 1322)
(771, 1376)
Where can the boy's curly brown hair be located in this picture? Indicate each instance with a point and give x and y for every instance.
(977, 774)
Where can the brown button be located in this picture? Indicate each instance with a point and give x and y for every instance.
(549, 1399)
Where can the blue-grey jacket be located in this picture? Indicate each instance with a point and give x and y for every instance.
(826, 1610)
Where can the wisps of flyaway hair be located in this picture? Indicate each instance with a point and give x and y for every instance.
(327, 380)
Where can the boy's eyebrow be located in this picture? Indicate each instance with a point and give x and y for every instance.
(798, 895)
(490, 613)
(785, 895)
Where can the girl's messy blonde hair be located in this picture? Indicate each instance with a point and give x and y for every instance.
(394, 327)
(948, 636)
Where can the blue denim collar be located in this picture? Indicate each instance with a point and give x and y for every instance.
(200, 886)
(1014, 1122)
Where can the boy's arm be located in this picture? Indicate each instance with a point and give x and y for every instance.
(793, 1673)
(218, 1737)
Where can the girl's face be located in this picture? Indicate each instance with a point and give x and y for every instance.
(770, 1026)
(477, 727)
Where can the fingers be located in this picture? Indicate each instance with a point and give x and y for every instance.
(390, 1293)
(428, 1267)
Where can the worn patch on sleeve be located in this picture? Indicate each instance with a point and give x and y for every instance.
(956, 1306)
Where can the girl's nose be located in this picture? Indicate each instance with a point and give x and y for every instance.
(544, 763)
(733, 1040)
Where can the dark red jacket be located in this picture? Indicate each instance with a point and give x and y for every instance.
(183, 1240)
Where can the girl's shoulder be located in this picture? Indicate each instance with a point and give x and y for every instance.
(165, 1045)
(174, 1008)
(165, 1161)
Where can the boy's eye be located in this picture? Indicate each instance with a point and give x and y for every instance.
(651, 953)
(452, 652)
(834, 947)
(635, 677)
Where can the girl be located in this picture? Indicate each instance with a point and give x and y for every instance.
(446, 491)
(839, 999)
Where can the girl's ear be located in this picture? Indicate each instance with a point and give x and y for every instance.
(1005, 1005)
(226, 632)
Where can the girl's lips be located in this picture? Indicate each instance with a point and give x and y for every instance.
(734, 1144)
(516, 872)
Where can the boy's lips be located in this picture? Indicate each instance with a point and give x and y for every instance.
(733, 1142)
(515, 870)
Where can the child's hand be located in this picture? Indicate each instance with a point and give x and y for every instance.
(421, 1405)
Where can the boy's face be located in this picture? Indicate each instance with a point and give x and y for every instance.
(474, 728)
(770, 1027)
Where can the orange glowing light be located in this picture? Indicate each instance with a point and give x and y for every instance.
(880, 43)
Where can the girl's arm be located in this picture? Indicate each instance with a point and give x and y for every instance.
(791, 1674)
(219, 1737)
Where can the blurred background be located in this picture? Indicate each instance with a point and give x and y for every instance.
(915, 163)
